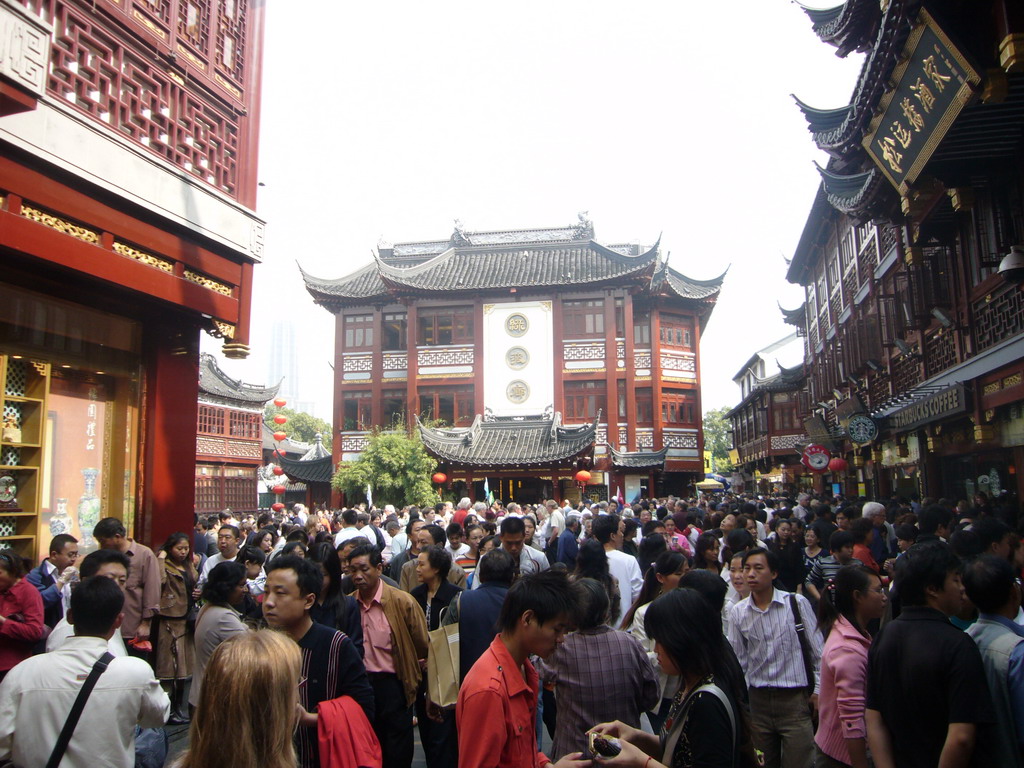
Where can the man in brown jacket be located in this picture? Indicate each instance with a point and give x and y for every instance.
(395, 651)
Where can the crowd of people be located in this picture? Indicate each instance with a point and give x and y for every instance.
(725, 632)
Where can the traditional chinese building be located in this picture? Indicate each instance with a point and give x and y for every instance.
(522, 356)
(229, 442)
(768, 422)
(128, 141)
(907, 319)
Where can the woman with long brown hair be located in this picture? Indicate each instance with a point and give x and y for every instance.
(248, 706)
(175, 650)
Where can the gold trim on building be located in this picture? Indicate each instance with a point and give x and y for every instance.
(142, 257)
(207, 282)
(61, 225)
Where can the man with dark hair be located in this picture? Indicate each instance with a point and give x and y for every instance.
(109, 564)
(202, 543)
(53, 577)
(429, 536)
(142, 592)
(410, 551)
(497, 706)
(841, 548)
(349, 527)
(37, 694)
(229, 541)
(926, 689)
(934, 523)
(990, 583)
(394, 643)
(763, 633)
(995, 536)
(476, 611)
(608, 530)
(330, 660)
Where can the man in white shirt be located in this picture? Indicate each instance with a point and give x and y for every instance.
(37, 695)
(350, 529)
(229, 539)
(110, 564)
(53, 577)
(607, 529)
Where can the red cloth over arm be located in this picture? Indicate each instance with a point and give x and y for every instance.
(29, 605)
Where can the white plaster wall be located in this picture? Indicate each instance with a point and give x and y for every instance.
(539, 371)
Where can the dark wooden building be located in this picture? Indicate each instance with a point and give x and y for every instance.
(523, 355)
(128, 144)
(907, 317)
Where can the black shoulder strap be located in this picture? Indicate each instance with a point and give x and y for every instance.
(801, 634)
(76, 709)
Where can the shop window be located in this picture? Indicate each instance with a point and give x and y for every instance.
(445, 327)
(642, 331)
(211, 420)
(620, 318)
(583, 319)
(358, 332)
(451, 406)
(620, 387)
(394, 408)
(245, 425)
(394, 331)
(678, 407)
(644, 405)
(357, 410)
(583, 399)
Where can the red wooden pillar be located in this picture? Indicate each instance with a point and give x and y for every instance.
(412, 406)
(171, 408)
(478, 359)
(558, 352)
(611, 415)
(377, 370)
(339, 414)
(630, 373)
(698, 411)
(656, 378)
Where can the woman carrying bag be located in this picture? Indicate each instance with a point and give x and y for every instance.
(175, 650)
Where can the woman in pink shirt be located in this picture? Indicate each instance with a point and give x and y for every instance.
(849, 602)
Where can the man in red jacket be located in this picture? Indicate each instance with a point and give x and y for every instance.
(502, 686)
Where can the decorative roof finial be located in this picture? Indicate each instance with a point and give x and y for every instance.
(459, 235)
(584, 229)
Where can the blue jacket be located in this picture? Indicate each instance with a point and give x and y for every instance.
(53, 604)
(568, 548)
(478, 622)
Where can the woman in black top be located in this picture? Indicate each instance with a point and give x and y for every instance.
(434, 594)
(333, 608)
(706, 726)
(791, 554)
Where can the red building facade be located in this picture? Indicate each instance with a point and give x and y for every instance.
(128, 138)
(529, 353)
(914, 324)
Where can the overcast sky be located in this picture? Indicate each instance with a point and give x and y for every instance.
(392, 119)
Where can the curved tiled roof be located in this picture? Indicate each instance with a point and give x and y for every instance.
(848, 27)
(794, 316)
(319, 470)
(500, 260)
(477, 268)
(213, 381)
(639, 459)
(856, 194)
(526, 442)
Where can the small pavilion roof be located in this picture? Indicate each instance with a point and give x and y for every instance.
(214, 382)
(639, 459)
(314, 466)
(508, 442)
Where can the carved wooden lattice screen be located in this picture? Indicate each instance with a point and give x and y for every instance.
(179, 92)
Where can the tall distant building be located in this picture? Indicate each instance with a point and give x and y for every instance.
(284, 366)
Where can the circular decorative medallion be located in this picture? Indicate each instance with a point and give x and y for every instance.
(517, 391)
(517, 358)
(517, 324)
(862, 429)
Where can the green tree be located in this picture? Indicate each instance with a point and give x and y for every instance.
(300, 426)
(395, 465)
(716, 438)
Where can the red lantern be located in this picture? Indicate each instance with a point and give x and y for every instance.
(440, 478)
(278, 471)
(280, 402)
(837, 464)
(280, 419)
(278, 490)
(277, 506)
(279, 436)
(583, 477)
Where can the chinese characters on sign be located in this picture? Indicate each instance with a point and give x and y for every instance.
(90, 426)
(934, 83)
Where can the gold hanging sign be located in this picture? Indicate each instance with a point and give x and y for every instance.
(934, 82)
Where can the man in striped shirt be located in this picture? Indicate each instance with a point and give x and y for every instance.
(763, 633)
(331, 665)
(841, 547)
